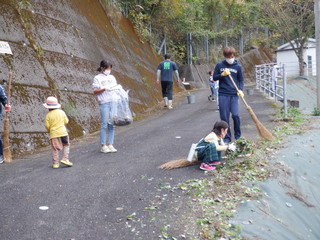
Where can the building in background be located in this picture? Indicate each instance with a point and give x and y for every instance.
(286, 55)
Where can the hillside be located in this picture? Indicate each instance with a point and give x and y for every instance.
(57, 47)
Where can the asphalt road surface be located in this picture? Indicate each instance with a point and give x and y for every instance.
(119, 195)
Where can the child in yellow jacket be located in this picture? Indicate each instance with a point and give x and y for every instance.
(55, 122)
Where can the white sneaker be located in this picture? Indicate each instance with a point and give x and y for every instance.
(105, 149)
(166, 102)
(1, 159)
(111, 148)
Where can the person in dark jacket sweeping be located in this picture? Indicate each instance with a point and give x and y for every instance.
(228, 95)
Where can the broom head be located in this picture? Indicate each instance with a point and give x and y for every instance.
(263, 132)
(177, 164)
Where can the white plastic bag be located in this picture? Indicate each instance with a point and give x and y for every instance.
(191, 152)
(120, 114)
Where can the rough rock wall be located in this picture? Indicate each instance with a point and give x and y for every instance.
(57, 46)
(254, 57)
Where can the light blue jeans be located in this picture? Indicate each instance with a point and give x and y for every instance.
(105, 110)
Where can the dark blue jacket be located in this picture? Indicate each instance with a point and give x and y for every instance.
(226, 87)
(3, 98)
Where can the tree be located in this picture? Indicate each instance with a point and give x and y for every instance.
(246, 21)
(294, 20)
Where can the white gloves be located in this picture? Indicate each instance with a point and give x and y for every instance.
(240, 94)
(232, 147)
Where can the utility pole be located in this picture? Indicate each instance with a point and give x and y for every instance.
(241, 42)
(206, 48)
(189, 48)
(317, 26)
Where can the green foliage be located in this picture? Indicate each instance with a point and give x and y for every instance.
(24, 4)
(203, 221)
(173, 19)
(265, 21)
(39, 50)
(294, 119)
(293, 115)
(243, 147)
(292, 20)
(316, 111)
(145, 82)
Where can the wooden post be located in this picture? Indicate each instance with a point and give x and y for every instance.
(6, 131)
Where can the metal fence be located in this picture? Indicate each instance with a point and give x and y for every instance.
(271, 79)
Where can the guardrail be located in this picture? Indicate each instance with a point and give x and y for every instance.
(271, 80)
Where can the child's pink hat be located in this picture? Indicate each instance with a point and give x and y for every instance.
(52, 103)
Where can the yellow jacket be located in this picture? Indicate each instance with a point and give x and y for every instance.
(55, 123)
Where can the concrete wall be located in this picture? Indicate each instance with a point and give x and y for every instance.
(196, 75)
(57, 47)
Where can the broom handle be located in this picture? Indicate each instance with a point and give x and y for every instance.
(9, 88)
(6, 131)
(236, 87)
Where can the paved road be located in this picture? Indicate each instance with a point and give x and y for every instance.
(116, 195)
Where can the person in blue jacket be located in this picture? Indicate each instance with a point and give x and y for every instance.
(228, 95)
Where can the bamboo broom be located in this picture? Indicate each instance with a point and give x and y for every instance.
(6, 131)
(177, 164)
(263, 132)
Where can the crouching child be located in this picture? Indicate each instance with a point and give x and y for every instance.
(209, 148)
(55, 122)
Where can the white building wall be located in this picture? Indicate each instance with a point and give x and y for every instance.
(290, 60)
(285, 55)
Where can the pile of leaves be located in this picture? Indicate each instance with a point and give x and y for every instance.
(244, 147)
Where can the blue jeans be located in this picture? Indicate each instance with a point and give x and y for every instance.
(227, 105)
(213, 89)
(105, 110)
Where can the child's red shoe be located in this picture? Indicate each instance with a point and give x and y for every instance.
(207, 167)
